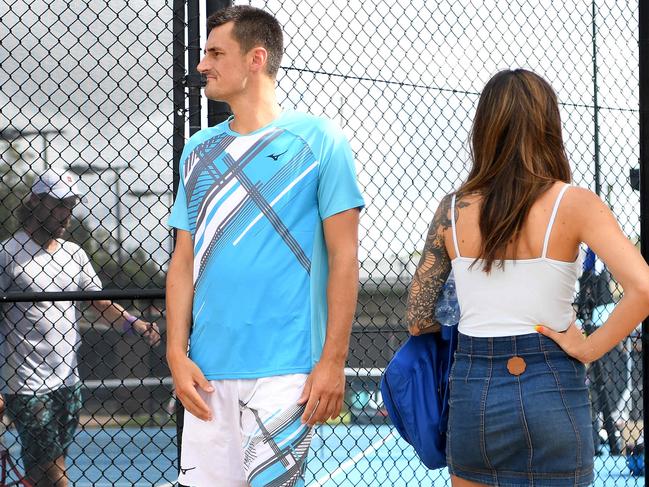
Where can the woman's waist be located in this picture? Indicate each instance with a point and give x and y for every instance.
(510, 319)
(511, 345)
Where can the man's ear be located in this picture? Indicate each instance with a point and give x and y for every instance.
(258, 59)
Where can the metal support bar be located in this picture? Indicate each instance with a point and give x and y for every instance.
(117, 294)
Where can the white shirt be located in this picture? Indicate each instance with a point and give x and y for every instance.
(513, 300)
(39, 340)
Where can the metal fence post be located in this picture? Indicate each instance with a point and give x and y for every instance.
(216, 111)
(178, 88)
(598, 188)
(643, 53)
(193, 77)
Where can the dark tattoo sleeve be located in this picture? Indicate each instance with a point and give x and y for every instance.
(432, 271)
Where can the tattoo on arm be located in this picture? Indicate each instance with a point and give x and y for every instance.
(432, 272)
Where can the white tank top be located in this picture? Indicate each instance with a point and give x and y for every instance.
(512, 300)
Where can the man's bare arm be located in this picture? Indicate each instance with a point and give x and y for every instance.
(325, 386)
(180, 296)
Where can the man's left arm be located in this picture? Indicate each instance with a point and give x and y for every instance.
(325, 386)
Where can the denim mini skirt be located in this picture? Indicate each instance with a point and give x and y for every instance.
(519, 414)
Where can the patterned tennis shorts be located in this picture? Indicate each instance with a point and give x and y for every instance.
(45, 423)
(255, 437)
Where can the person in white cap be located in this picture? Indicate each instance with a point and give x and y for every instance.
(39, 340)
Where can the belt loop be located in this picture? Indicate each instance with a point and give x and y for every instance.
(514, 345)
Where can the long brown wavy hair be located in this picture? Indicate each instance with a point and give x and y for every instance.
(518, 154)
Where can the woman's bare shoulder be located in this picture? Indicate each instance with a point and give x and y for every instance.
(582, 208)
(582, 199)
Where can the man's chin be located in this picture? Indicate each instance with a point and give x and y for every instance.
(213, 94)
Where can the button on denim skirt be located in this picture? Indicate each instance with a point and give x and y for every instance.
(528, 424)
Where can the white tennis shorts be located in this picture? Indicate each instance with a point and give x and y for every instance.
(255, 437)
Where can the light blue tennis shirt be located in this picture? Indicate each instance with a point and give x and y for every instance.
(254, 205)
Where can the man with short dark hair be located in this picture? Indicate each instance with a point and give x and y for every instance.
(39, 340)
(265, 266)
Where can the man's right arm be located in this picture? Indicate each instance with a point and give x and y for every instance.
(186, 375)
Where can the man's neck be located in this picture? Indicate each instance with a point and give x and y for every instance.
(42, 239)
(254, 110)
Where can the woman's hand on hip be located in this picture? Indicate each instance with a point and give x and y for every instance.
(572, 341)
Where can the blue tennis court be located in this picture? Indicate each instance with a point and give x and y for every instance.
(342, 455)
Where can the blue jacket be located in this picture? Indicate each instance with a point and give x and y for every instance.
(415, 392)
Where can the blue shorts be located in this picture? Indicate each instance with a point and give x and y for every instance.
(46, 423)
(519, 422)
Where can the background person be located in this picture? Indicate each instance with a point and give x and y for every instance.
(40, 381)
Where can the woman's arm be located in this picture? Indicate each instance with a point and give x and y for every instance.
(431, 274)
(597, 227)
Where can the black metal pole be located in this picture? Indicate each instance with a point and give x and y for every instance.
(179, 132)
(193, 58)
(643, 55)
(112, 294)
(193, 83)
(598, 183)
(217, 111)
(178, 72)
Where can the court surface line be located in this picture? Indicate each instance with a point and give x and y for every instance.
(352, 461)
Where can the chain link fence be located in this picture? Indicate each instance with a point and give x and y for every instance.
(89, 88)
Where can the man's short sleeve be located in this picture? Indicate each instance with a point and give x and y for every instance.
(88, 279)
(179, 217)
(338, 187)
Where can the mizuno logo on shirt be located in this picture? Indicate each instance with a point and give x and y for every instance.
(185, 470)
(274, 157)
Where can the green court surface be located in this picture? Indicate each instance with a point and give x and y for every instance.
(342, 455)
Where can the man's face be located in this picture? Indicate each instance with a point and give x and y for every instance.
(54, 214)
(223, 64)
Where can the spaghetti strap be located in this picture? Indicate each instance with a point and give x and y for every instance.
(548, 231)
(457, 249)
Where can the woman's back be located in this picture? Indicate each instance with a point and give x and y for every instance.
(535, 285)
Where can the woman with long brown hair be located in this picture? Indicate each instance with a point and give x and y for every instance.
(519, 407)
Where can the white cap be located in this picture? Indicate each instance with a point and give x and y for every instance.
(57, 183)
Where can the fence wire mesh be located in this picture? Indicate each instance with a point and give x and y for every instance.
(88, 88)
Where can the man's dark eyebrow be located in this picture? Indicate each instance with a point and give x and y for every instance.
(212, 49)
